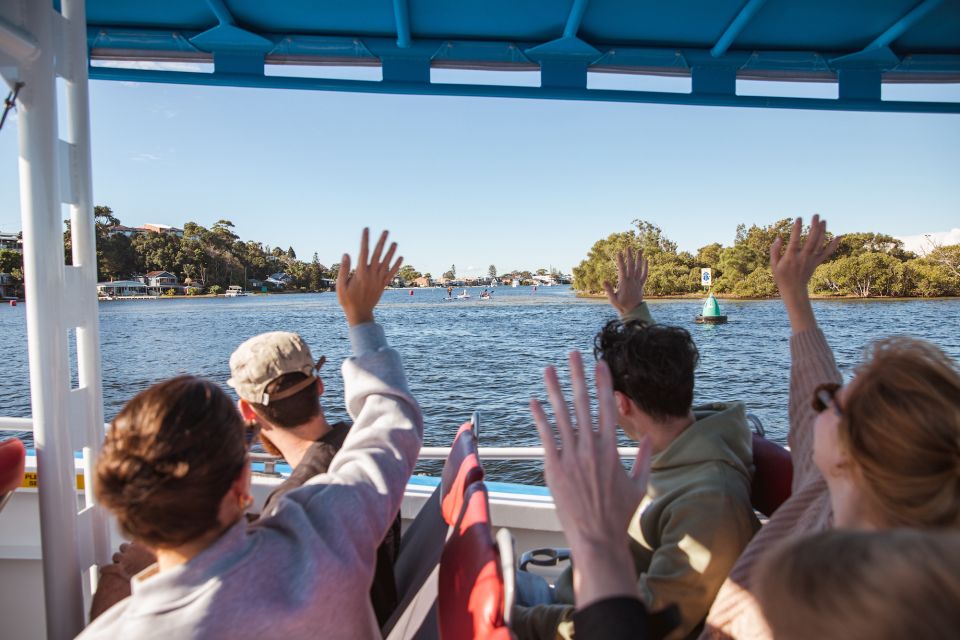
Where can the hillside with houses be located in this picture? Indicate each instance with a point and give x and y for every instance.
(158, 259)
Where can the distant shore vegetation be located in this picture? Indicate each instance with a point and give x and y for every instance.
(865, 265)
(210, 260)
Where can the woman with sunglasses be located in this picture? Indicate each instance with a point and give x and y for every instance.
(174, 471)
(880, 452)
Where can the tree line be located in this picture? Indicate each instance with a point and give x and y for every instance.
(213, 258)
(865, 265)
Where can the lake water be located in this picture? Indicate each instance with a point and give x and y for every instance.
(471, 355)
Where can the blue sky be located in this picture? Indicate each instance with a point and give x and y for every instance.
(514, 183)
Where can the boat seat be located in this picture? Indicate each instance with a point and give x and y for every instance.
(461, 469)
(421, 545)
(473, 595)
(13, 456)
(772, 477)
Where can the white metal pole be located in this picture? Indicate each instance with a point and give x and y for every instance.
(46, 337)
(84, 241)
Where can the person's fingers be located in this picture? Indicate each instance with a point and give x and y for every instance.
(550, 454)
(344, 273)
(775, 252)
(629, 262)
(378, 250)
(621, 267)
(794, 245)
(644, 270)
(828, 250)
(394, 269)
(815, 237)
(640, 472)
(364, 248)
(611, 294)
(561, 414)
(581, 400)
(606, 407)
(387, 258)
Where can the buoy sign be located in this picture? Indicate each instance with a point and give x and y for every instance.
(706, 277)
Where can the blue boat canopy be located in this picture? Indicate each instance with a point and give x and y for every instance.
(858, 44)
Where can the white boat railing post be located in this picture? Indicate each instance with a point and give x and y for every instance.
(50, 312)
(84, 292)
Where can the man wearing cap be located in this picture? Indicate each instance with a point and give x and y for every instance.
(277, 380)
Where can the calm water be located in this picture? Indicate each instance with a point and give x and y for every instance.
(466, 355)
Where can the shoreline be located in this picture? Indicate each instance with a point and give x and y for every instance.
(724, 296)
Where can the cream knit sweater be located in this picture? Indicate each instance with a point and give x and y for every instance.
(735, 613)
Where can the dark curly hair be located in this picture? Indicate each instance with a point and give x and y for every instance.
(652, 364)
(168, 459)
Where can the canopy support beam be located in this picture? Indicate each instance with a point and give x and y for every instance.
(401, 13)
(746, 14)
(901, 26)
(575, 18)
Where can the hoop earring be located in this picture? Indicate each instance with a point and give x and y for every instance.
(246, 501)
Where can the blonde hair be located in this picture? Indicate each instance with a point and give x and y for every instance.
(901, 429)
(897, 583)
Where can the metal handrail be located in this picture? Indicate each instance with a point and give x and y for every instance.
(426, 453)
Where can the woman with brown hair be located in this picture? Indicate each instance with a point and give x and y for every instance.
(174, 471)
(878, 453)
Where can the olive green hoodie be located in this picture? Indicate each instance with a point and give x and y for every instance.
(697, 516)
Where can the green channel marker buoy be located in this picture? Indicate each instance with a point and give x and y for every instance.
(711, 312)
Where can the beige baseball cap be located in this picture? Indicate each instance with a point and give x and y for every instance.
(264, 358)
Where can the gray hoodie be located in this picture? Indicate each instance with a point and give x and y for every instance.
(305, 570)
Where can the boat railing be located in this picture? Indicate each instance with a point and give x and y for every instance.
(426, 453)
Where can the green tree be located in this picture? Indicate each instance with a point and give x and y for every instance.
(492, 271)
(408, 274)
(11, 262)
(864, 275)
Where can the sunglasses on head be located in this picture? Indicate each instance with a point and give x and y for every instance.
(825, 396)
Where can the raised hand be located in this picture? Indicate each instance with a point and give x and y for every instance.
(595, 497)
(793, 269)
(631, 278)
(358, 293)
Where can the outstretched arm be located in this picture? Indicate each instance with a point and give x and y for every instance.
(359, 496)
(595, 497)
(811, 361)
(627, 299)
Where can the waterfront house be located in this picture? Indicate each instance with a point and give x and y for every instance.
(163, 228)
(423, 281)
(11, 241)
(160, 282)
(160, 279)
(279, 280)
(10, 287)
(121, 289)
(123, 230)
